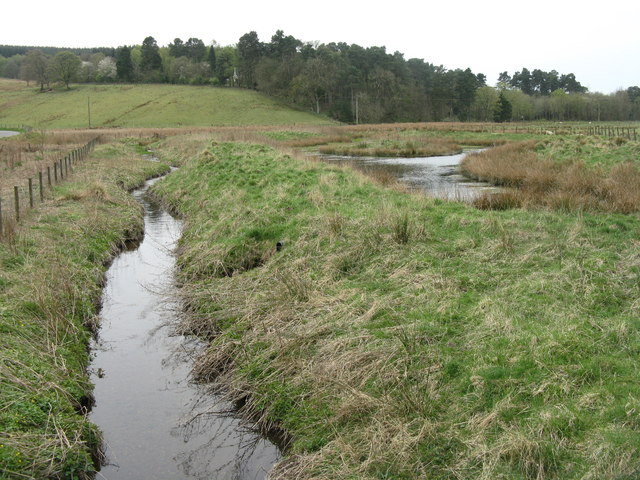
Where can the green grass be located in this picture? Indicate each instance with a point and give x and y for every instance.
(399, 337)
(144, 106)
(50, 270)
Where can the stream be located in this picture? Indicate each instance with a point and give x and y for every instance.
(156, 422)
(436, 176)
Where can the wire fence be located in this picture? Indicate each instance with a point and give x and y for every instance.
(32, 191)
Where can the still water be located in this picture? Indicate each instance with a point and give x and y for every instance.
(435, 176)
(8, 133)
(157, 423)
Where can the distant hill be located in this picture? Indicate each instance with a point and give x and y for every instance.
(126, 105)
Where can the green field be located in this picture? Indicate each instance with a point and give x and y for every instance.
(144, 106)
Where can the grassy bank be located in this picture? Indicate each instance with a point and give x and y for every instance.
(50, 275)
(143, 106)
(396, 336)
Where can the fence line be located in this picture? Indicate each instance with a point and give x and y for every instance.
(62, 168)
(630, 133)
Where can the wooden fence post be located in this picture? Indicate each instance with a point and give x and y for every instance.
(31, 192)
(16, 196)
(41, 185)
(55, 171)
(49, 175)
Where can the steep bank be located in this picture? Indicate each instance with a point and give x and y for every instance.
(396, 336)
(50, 284)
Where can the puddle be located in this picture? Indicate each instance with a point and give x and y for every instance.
(156, 422)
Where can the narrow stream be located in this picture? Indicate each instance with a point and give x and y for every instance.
(156, 423)
(436, 176)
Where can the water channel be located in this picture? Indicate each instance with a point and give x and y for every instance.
(156, 422)
(435, 176)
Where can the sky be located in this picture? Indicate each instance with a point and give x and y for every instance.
(599, 42)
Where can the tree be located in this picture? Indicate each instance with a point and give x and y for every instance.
(107, 69)
(38, 67)
(211, 58)
(195, 49)
(150, 60)
(64, 67)
(484, 104)
(250, 50)
(124, 64)
(502, 112)
(177, 49)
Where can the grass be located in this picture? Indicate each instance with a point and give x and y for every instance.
(50, 275)
(396, 336)
(128, 106)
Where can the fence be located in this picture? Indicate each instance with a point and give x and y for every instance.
(26, 196)
(630, 133)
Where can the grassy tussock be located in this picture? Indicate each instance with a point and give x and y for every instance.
(396, 336)
(566, 184)
(50, 279)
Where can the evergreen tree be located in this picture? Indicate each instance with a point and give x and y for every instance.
(211, 58)
(503, 109)
(124, 65)
(151, 59)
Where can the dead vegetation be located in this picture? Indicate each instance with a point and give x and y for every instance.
(534, 180)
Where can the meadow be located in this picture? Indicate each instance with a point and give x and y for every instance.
(398, 336)
(119, 105)
(389, 336)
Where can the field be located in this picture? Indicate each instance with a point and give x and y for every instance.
(143, 106)
(392, 336)
(396, 336)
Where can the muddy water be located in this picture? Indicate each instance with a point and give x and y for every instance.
(156, 423)
(436, 176)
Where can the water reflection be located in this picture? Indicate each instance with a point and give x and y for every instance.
(156, 422)
(436, 176)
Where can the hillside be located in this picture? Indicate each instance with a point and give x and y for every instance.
(126, 105)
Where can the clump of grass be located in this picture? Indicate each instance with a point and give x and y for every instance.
(562, 184)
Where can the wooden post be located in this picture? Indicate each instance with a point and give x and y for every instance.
(16, 197)
(60, 168)
(31, 192)
(41, 185)
(49, 176)
(55, 171)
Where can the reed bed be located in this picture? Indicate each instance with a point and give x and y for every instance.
(534, 179)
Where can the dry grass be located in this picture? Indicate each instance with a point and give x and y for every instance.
(568, 185)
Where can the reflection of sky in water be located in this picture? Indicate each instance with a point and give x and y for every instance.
(156, 423)
(436, 176)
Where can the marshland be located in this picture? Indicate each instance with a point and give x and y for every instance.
(381, 332)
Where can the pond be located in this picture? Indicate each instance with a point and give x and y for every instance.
(156, 422)
(435, 176)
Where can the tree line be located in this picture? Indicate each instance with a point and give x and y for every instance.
(348, 82)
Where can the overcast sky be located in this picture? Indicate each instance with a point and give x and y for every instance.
(599, 42)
